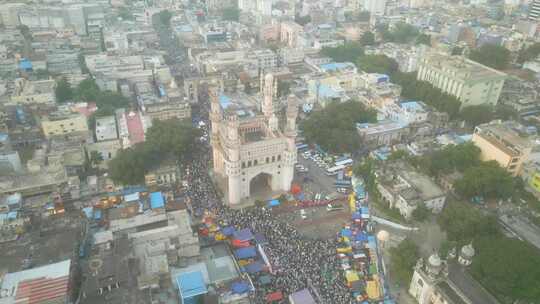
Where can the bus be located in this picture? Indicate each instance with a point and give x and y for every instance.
(334, 170)
(301, 146)
(342, 183)
(344, 162)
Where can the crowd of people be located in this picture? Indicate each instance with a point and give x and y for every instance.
(298, 262)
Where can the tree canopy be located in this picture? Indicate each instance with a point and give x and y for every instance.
(475, 115)
(487, 180)
(88, 91)
(529, 53)
(231, 14)
(423, 39)
(452, 158)
(349, 52)
(368, 38)
(164, 139)
(491, 55)
(507, 267)
(334, 127)
(381, 64)
(165, 18)
(400, 33)
(63, 90)
(402, 261)
(302, 20)
(424, 91)
(463, 223)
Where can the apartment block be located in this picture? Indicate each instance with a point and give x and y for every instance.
(501, 143)
(470, 82)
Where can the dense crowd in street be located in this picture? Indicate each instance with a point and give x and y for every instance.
(298, 262)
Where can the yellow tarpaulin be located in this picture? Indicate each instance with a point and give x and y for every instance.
(372, 289)
(351, 276)
(344, 250)
(352, 202)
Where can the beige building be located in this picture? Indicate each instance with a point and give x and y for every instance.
(470, 82)
(33, 92)
(168, 110)
(500, 143)
(251, 151)
(54, 125)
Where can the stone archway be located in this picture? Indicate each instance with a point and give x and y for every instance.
(260, 186)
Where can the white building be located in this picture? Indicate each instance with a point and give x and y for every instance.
(375, 7)
(106, 128)
(406, 112)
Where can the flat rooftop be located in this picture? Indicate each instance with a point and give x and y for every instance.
(462, 65)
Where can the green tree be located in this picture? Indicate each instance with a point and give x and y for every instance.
(366, 170)
(165, 17)
(505, 112)
(400, 33)
(508, 267)
(423, 39)
(451, 158)
(42, 74)
(164, 139)
(381, 64)
(349, 52)
(172, 136)
(112, 99)
(457, 50)
(491, 55)
(95, 158)
(231, 14)
(463, 224)
(125, 13)
(82, 64)
(63, 90)
(487, 180)
(529, 53)
(283, 88)
(368, 38)
(398, 154)
(87, 90)
(25, 32)
(475, 115)
(302, 20)
(402, 261)
(421, 213)
(422, 90)
(334, 127)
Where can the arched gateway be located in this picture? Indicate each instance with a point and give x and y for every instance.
(250, 149)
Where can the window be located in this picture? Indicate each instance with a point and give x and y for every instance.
(273, 158)
(267, 160)
(279, 157)
(243, 165)
(255, 162)
(249, 163)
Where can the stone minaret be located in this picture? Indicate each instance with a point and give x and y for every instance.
(290, 133)
(269, 88)
(216, 117)
(232, 162)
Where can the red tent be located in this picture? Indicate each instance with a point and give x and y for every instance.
(295, 189)
(274, 296)
(239, 244)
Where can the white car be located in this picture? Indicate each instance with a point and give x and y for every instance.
(303, 214)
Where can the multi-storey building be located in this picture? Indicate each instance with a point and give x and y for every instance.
(33, 92)
(63, 123)
(502, 144)
(469, 81)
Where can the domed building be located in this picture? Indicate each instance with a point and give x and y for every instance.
(466, 254)
(438, 281)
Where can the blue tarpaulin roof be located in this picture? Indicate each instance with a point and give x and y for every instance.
(12, 215)
(273, 203)
(25, 64)
(361, 237)
(191, 284)
(302, 297)
(156, 200)
(244, 253)
(88, 211)
(239, 287)
(265, 279)
(346, 233)
(224, 101)
(254, 267)
(260, 238)
(365, 210)
(131, 197)
(243, 235)
(97, 214)
(356, 216)
(228, 231)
